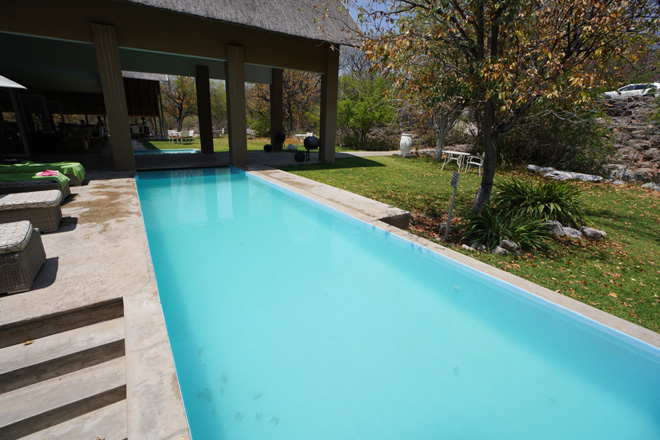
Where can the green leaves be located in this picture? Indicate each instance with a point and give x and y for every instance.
(362, 105)
(541, 201)
(490, 227)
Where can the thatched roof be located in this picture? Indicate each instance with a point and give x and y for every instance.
(303, 18)
(143, 75)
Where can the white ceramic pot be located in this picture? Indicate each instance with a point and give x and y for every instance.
(406, 144)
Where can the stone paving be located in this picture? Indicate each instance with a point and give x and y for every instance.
(99, 255)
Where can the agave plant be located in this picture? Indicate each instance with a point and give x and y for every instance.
(543, 201)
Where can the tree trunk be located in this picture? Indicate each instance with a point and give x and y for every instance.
(443, 121)
(439, 145)
(482, 199)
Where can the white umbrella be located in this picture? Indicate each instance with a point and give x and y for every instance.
(9, 84)
(6, 82)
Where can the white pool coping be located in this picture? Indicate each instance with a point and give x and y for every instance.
(337, 201)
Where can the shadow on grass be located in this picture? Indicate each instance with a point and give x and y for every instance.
(635, 227)
(149, 146)
(349, 162)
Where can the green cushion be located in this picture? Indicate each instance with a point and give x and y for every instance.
(71, 168)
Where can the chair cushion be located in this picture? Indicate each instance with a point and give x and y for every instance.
(14, 236)
(34, 199)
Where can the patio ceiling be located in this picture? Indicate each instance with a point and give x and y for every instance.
(45, 64)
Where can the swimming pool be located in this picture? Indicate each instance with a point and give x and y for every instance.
(172, 151)
(289, 320)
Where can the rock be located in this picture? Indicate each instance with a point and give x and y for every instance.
(593, 234)
(642, 174)
(635, 138)
(564, 175)
(568, 175)
(499, 250)
(468, 248)
(509, 245)
(618, 182)
(653, 186)
(554, 227)
(538, 169)
(482, 247)
(572, 232)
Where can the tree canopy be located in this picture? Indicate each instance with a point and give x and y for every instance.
(180, 98)
(501, 56)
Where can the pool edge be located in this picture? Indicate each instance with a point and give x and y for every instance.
(610, 321)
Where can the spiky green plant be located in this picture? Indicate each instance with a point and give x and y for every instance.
(490, 228)
(528, 233)
(484, 227)
(542, 201)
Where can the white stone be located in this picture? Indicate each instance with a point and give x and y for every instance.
(572, 232)
(653, 186)
(499, 250)
(593, 234)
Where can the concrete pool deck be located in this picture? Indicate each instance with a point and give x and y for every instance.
(99, 260)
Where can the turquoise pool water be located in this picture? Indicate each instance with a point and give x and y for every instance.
(291, 321)
(173, 151)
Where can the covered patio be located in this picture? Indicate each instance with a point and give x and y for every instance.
(85, 352)
(85, 47)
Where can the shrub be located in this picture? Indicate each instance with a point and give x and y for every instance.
(528, 233)
(543, 201)
(490, 228)
(381, 138)
(362, 105)
(485, 228)
(557, 134)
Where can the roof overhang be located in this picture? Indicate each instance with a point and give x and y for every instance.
(60, 65)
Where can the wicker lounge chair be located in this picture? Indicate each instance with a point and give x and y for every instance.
(41, 208)
(33, 185)
(21, 256)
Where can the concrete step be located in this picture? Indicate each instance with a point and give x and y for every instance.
(108, 423)
(61, 353)
(48, 403)
(33, 328)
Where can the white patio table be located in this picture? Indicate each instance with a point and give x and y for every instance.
(456, 156)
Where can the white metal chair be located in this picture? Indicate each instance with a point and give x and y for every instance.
(188, 136)
(172, 135)
(477, 160)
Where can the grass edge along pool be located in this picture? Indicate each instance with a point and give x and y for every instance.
(423, 364)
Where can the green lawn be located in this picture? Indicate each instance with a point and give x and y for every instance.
(219, 144)
(222, 144)
(620, 275)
